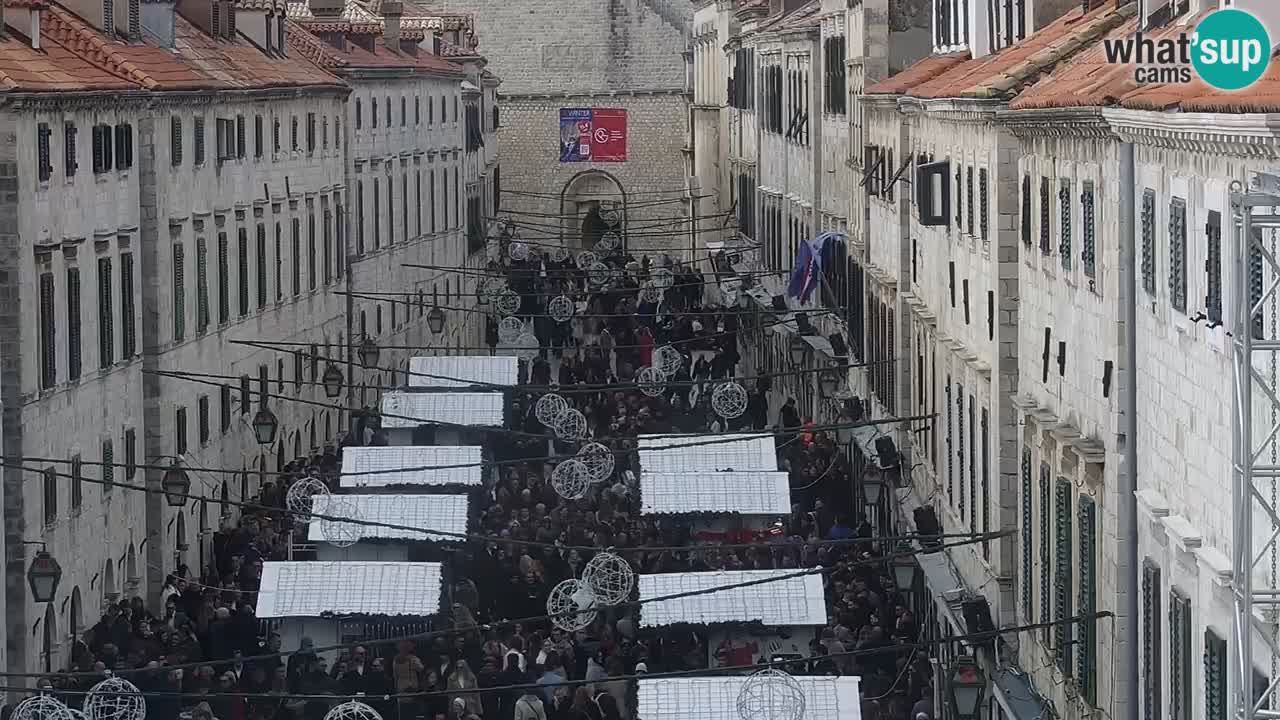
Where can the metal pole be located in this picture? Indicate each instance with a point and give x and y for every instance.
(1241, 478)
(1127, 501)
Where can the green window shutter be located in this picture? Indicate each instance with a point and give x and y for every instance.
(1151, 634)
(1087, 629)
(1179, 657)
(1215, 677)
(960, 445)
(973, 468)
(1028, 538)
(951, 489)
(1046, 557)
(1062, 574)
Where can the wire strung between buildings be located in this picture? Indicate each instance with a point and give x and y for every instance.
(971, 638)
(648, 224)
(629, 207)
(473, 537)
(447, 632)
(675, 189)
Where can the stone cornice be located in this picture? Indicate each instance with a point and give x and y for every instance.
(1249, 135)
(958, 109)
(1055, 122)
(20, 101)
(602, 93)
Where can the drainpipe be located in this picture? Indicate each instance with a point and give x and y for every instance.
(1127, 502)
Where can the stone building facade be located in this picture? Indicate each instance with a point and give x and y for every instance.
(615, 54)
(145, 236)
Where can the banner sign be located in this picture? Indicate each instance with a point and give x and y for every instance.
(593, 135)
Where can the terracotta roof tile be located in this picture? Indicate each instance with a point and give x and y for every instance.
(1002, 74)
(920, 72)
(351, 55)
(1089, 80)
(55, 67)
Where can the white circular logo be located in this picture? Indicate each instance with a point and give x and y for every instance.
(602, 135)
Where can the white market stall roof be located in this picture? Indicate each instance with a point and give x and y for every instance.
(783, 603)
(739, 493)
(716, 698)
(446, 513)
(410, 409)
(707, 453)
(378, 462)
(465, 371)
(319, 589)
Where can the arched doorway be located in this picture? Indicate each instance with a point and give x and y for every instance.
(581, 202)
(76, 618)
(49, 645)
(131, 570)
(180, 540)
(109, 590)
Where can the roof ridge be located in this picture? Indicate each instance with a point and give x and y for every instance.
(98, 52)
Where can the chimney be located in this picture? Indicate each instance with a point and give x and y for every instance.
(391, 12)
(326, 9)
(35, 28)
(157, 18)
(4, 29)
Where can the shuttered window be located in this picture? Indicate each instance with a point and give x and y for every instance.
(377, 215)
(1088, 230)
(1178, 254)
(295, 228)
(326, 230)
(242, 269)
(128, 325)
(50, 487)
(73, 323)
(202, 419)
(69, 162)
(1148, 220)
(202, 285)
(106, 328)
(48, 334)
(1215, 677)
(1087, 629)
(973, 466)
(44, 157)
(109, 459)
(1062, 552)
(1046, 246)
(969, 192)
(1046, 550)
(124, 146)
(261, 239)
(1028, 538)
(985, 498)
(175, 140)
(951, 487)
(77, 485)
(960, 501)
(1026, 210)
(311, 245)
(224, 408)
(1213, 268)
(224, 280)
(279, 264)
(984, 200)
(1180, 651)
(198, 139)
(179, 293)
(1152, 632)
(180, 431)
(1064, 232)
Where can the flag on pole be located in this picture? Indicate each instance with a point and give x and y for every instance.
(806, 276)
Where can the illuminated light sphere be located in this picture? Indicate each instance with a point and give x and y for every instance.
(343, 532)
(599, 461)
(729, 400)
(549, 408)
(518, 251)
(668, 359)
(510, 328)
(651, 380)
(298, 499)
(507, 302)
(527, 346)
(352, 710)
(559, 254)
(561, 308)
(586, 259)
(610, 578)
(771, 695)
(571, 606)
(41, 707)
(611, 215)
(599, 273)
(570, 479)
(663, 278)
(572, 425)
(115, 699)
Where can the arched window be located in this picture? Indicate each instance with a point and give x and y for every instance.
(49, 646)
(224, 497)
(109, 590)
(131, 570)
(76, 618)
(180, 540)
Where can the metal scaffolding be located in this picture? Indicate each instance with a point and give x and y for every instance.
(1255, 346)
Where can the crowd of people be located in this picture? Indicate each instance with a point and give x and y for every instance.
(204, 649)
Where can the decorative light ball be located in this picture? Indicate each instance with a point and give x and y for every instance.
(115, 699)
(571, 606)
(651, 380)
(491, 287)
(728, 298)
(610, 578)
(77, 714)
(549, 408)
(561, 308)
(41, 707)
(571, 479)
(599, 274)
(650, 293)
(527, 346)
(668, 359)
(507, 302)
(559, 254)
(611, 241)
(663, 278)
(729, 400)
(571, 425)
(510, 328)
(298, 499)
(343, 532)
(518, 251)
(771, 695)
(599, 461)
(586, 259)
(352, 710)
(611, 215)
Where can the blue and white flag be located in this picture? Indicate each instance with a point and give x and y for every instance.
(806, 276)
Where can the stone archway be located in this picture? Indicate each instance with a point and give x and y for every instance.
(581, 200)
